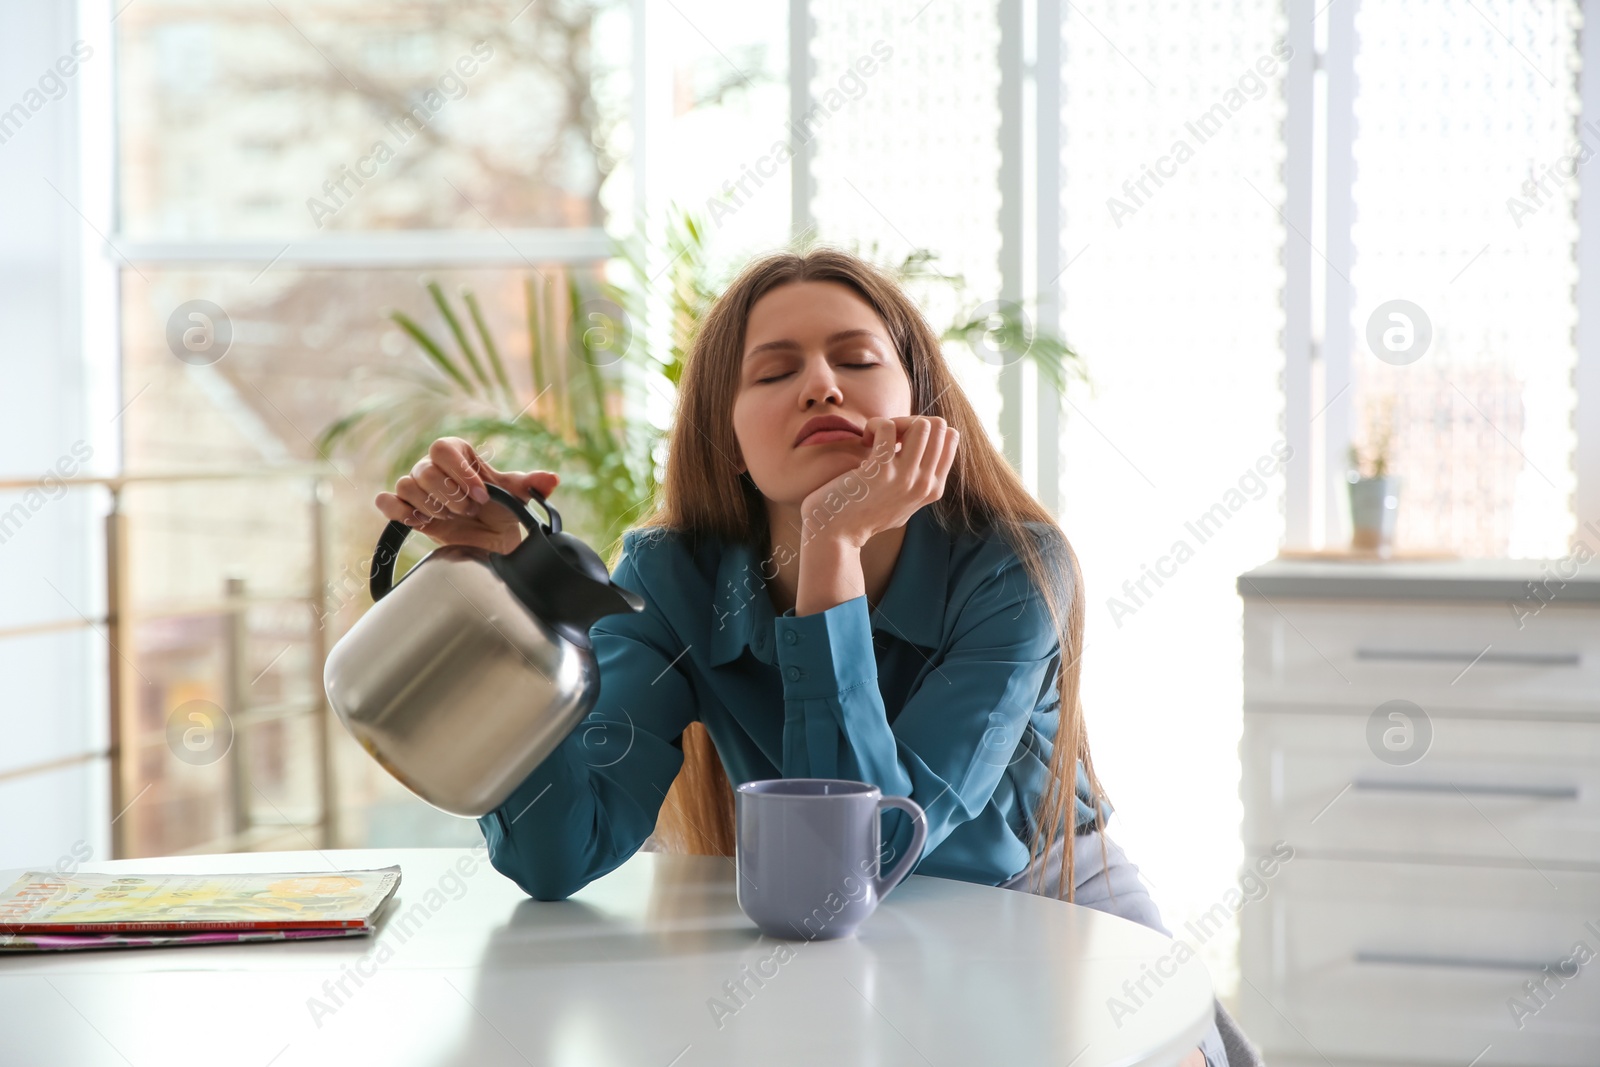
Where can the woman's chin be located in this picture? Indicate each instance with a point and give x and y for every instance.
(820, 466)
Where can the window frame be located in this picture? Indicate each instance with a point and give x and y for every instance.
(1319, 172)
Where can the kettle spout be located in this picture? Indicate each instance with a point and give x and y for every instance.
(580, 610)
(567, 590)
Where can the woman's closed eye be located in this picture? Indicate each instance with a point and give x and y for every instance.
(785, 374)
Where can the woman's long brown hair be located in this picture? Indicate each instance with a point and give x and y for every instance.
(704, 493)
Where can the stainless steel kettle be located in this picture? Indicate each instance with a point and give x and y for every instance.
(463, 676)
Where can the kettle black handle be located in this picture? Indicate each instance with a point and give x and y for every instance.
(381, 578)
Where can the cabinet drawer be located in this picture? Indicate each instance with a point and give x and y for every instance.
(1470, 655)
(1423, 963)
(1499, 791)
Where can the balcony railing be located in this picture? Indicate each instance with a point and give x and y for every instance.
(127, 738)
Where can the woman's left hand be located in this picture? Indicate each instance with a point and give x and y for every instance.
(887, 488)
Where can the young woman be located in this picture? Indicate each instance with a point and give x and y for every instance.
(843, 579)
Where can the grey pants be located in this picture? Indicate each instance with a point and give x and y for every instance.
(1115, 887)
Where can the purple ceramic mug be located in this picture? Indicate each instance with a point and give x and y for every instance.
(807, 854)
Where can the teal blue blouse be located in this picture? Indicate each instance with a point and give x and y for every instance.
(945, 692)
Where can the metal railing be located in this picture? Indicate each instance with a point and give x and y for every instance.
(119, 621)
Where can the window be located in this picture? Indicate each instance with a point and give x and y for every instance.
(1464, 209)
(285, 173)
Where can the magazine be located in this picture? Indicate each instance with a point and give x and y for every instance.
(71, 942)
(44, 903)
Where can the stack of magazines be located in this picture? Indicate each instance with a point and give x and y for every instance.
(45, 911)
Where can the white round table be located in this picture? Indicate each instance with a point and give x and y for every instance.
(653, 965)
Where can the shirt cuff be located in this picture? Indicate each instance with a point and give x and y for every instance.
(826, 652)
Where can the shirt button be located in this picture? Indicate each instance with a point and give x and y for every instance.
(791, 637)
(794, 673)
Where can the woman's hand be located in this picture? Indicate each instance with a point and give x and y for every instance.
(887, 488)
(883, 492)
(1195, 1058)
(445, 498)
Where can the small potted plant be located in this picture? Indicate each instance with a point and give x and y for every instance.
(1374, 492)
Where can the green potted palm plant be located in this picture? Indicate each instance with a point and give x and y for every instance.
(576, 409)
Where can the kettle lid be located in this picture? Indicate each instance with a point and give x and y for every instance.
(558, 577)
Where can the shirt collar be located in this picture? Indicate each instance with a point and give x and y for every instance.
(912, 608)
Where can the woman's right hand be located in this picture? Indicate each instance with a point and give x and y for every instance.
(444, 497)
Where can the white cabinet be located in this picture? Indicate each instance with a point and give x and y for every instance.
(1427, 741)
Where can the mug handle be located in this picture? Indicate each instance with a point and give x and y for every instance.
(919, 834)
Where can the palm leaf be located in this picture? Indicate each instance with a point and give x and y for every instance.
(585, 350)
(535, 364)
(449, 316)
(489, 347)
(1057, 361)
(430, 348)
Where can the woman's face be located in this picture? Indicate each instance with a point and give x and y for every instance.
(812, 349)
